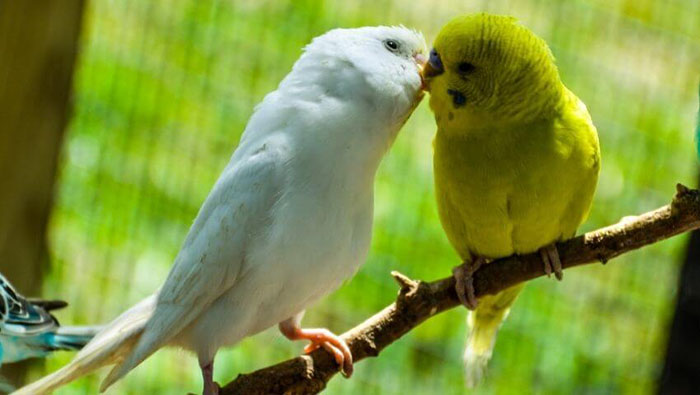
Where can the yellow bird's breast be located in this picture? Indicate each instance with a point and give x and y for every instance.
(515, 188)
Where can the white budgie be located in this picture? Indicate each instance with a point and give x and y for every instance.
(290, 217)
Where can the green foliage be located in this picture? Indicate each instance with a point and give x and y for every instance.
(164, 90)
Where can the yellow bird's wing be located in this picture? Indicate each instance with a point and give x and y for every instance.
(585, 164)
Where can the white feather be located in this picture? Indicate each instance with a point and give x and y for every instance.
(290, 217)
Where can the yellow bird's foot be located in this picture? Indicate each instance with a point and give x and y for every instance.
(464, 281)
(552, 263)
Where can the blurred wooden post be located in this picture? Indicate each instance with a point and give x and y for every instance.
(681, 374)
(38, 45)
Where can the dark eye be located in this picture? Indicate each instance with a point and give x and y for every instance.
(391, 45)
(465, 68)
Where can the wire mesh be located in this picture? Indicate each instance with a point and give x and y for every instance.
(163, 91)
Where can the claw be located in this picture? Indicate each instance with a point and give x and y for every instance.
(464, 282)
(551, 261)
(321, 337)
(545, 261)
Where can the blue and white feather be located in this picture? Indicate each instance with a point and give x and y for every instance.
(28, 330)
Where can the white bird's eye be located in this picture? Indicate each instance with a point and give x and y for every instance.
(391, 45)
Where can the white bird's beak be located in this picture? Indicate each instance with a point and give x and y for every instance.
(420, 59)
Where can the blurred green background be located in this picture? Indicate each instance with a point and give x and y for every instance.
(163, 91)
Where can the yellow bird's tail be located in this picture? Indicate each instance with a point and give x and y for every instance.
(483, 324)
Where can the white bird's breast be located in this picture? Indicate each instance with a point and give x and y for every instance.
(317, 232)
(319, 237)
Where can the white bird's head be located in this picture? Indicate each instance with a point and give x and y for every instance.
(388, 56)
(352, 89)
(378, 65)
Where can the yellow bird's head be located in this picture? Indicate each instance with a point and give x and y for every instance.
(486, 69)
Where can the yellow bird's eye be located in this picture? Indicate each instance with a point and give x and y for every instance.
(465, 68)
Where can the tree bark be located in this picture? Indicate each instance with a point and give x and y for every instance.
(38, 46)
(417, 301)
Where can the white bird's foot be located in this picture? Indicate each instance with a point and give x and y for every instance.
(320, 337)
(210, 386)
(464, 281)
(552, 263)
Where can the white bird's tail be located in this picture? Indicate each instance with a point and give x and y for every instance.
(109, 346)
(483, 324)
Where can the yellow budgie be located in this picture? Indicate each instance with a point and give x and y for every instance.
(516, 158)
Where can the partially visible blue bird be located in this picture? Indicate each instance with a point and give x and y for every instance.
(28, 330)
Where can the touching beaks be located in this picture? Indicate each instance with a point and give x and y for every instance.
(434, 65)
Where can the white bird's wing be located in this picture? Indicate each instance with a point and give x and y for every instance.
(213, 254)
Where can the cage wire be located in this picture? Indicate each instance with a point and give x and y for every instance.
(163, 91)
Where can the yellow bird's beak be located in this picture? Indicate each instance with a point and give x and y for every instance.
(429, 71)
(433, 67)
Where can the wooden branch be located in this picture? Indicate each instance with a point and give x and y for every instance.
(418, 300)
